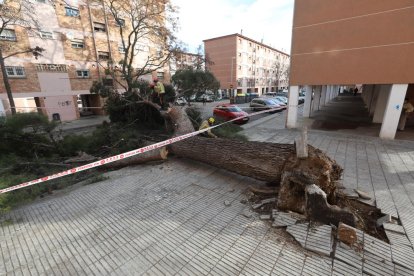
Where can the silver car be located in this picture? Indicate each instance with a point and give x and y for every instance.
(265, 103)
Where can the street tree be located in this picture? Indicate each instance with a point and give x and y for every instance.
(281, 70)
(194, 82)
(15, 15)
(146, 29)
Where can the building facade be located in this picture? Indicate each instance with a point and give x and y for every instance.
(81, 40)
(348, 42)
(246, 65)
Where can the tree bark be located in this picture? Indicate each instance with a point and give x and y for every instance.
(7, 84)
(262, 161)
(149, 156)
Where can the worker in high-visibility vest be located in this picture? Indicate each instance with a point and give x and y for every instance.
(160, 90)
(206, 124)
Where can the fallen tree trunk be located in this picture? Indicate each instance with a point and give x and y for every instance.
(149, 156)
(270, 162)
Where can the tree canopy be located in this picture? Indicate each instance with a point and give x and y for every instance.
(15, 13)
(194, 82)
(146, 30)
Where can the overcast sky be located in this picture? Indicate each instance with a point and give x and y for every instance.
(270, 20)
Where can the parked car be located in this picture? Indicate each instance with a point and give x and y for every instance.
(282, 104)
(270, 94)
(282, 99)
(265, 103)
(230, 111)
(180, 101)
(282, 94)
(205, 97)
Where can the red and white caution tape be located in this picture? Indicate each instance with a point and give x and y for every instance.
(120, 156)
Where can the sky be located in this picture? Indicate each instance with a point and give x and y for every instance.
(270, 20)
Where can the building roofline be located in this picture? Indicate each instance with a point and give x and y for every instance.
(247, 38)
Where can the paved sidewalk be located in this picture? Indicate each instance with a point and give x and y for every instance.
(170, 219)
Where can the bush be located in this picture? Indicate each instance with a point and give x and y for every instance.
(230, 131)
(27, 135)
(195, 117)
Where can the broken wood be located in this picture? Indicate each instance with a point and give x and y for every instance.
(301, 144)
(318, 208)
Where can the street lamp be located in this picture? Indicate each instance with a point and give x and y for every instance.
(231, 78)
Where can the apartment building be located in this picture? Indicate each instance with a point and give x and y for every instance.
(184, 60)
(349, 42)
(245, 65)
(81, 40)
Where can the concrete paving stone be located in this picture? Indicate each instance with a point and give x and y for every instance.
(377, 247)
(350, 193)
(376, 265)
(299, 232)
(397, 239)
(317, 266)
(226, 268)
(348, 255)
(260, 267)
(343, 269)
(403, 255)
(402, 271)
(319, 239)
(289, 263)
(283, 220)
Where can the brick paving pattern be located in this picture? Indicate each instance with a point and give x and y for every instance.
(170, 219)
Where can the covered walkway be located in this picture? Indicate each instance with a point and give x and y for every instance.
(375, 111)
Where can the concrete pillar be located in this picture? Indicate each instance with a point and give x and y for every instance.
(384, 91)
(393, 111)
(328, 94)
(307, 106)
(370, 102)
(317, 98)
(292, 112)
(323, 96)
(331, 94)
(374, 101)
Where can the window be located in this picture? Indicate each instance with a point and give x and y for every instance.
(46, 35)
(15, 71)
(74, 12)
(99, 27)
(82, 73)
(121, 48)
(120, 22)
(142, 47)
(103, 55)
(8, 34)
(51, 67)
(160, 76)
(77, 43)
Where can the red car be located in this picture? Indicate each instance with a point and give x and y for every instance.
(230, 111)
